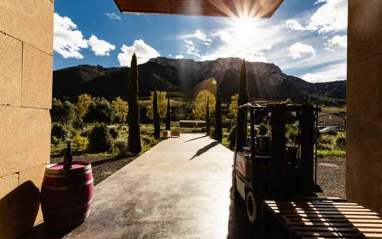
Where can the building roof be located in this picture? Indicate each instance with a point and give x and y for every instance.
(218, 8)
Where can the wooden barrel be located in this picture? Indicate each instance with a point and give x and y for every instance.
(66, 194)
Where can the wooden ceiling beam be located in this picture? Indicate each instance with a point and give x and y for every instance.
(216, 8)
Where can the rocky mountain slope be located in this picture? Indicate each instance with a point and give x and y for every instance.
(183, 77)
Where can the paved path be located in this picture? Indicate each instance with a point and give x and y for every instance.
(178, 189)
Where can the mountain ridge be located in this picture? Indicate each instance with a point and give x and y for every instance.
(266, 81)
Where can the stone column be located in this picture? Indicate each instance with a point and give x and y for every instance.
(26, 57)
(364, 128)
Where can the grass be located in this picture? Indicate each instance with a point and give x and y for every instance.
(327, 109)
(189, 130)
(325, 153)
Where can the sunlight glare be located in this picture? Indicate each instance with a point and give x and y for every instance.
(243, 26)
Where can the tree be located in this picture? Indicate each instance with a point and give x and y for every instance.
(83, 104)
(199, 105)
(233, 106)
(156, 117)
(218, 134)
(63, 113)
(208, 116)
(241, 123)
(100, 111)
(134, 138)
(68, 113)
(162, 105)
(168, 115)
(121, 109)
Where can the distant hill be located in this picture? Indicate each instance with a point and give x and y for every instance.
(183, 77)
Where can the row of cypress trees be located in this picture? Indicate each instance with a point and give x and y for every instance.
(241, 129)
(218, 132)
(157, 118)
(134, 138)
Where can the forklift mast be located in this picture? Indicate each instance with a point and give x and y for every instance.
(278, 169)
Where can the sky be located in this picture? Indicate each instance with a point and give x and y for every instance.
(305, 38)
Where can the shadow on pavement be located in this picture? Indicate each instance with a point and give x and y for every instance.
(196, 138)
(204, 149)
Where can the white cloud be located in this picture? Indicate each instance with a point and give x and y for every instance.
(143, 51)
(241, 40)
(100, 47)
(68, 41)
(199, 34)
(113, 16)
(192, 50)
(189, 42)
(337, 40)
(300, 50)
(319, 1)
(293, 24)
(179, 57)
(330, 17)
(331, 73)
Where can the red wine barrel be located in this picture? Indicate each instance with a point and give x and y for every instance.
(66, 194)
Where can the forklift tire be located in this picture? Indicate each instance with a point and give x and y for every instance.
(250, 204)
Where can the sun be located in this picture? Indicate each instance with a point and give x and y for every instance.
(243, 25)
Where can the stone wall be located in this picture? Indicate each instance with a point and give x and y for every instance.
(26, 58)
(364, 106)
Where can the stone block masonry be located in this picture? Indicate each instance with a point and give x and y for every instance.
(26, 65)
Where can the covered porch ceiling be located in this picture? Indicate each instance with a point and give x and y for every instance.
(216, 8)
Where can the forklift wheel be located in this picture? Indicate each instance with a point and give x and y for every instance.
(250, 204)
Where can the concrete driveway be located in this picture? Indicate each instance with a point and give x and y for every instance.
(179, 189)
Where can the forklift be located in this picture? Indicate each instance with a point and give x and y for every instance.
(272, 165)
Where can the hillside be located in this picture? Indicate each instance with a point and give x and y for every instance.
(183, 77)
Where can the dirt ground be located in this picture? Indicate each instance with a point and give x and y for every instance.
(331, 176)
(102, 167)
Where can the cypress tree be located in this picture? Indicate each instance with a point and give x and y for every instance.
(134, 138)
(168, 115)
(218, 134)
(241, 123)
(208, 117)
(156, 116)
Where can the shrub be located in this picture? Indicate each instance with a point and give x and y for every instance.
(120, 147)
(86, 132)
(292, 133)
(232, 137)
(80, 143)
(114, 133)
(211, 133)
(341, 142)
(325, 143)
(55, 141)
(331, 132)
(148, 140)
(263, 129)
(100, 139)
(60, 132)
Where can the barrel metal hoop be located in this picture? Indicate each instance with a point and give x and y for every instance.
(67, 171)
(71, 222)
(62, 188)
(65, 211)
(48, 175)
